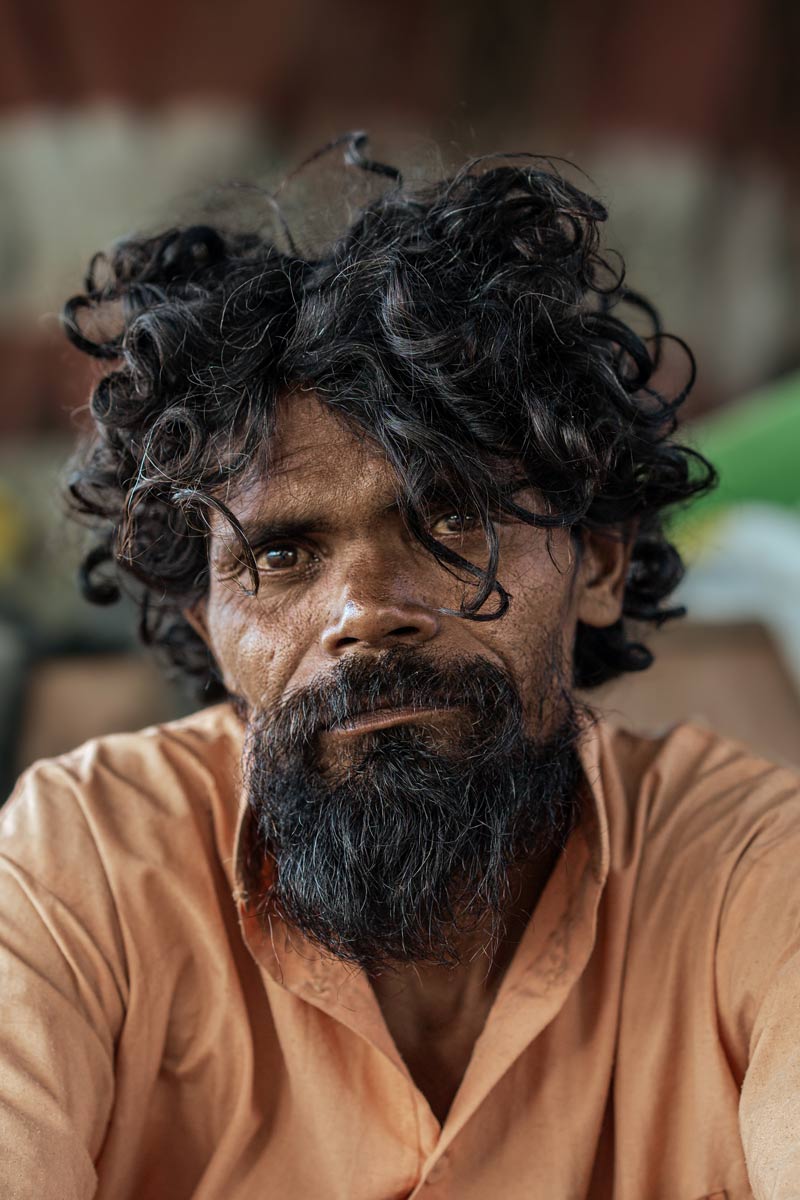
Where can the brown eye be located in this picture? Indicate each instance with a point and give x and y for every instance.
(279, 558)
(457, 523)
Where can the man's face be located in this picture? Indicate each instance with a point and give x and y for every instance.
(363, 698)
(357, 583)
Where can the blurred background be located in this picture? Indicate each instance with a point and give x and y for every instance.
(115, 118)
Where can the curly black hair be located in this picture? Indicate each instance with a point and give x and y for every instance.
(469, 328)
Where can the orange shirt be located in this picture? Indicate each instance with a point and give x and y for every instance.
(644, 1044)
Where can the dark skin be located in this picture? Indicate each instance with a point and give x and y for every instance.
(354, 581)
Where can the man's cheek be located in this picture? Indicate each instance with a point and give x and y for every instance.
(255, 669)
(266, 664)
(245, 653)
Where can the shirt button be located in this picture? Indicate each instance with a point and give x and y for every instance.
(438, 1170)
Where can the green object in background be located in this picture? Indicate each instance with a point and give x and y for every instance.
(13, 533)
(755, 446)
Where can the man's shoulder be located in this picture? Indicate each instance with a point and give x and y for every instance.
(124, 788)
(697, 793)
(157, 755)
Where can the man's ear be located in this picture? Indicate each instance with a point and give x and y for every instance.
(603, 572)
(196, 617)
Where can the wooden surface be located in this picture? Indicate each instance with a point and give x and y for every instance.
(730, 677)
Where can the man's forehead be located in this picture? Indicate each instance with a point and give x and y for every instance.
(313, 454)
(310, 432)
(318, 460)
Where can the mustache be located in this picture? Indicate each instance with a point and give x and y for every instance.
(401, 677)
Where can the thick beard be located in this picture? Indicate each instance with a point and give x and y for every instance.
(407, 848)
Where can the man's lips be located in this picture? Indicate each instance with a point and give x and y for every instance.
(383, 717)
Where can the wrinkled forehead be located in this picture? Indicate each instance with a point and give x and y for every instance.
(318, 462)
(314, 458)
(311, 437)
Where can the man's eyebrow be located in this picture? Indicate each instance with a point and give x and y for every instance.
(264, 528)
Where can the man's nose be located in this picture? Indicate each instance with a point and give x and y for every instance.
(378, 624)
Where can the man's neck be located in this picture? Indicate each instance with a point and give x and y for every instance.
(435, 1014)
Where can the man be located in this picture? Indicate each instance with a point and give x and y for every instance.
(397, 916)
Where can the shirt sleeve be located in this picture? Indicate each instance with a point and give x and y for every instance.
(758, 977)
(62, 992)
